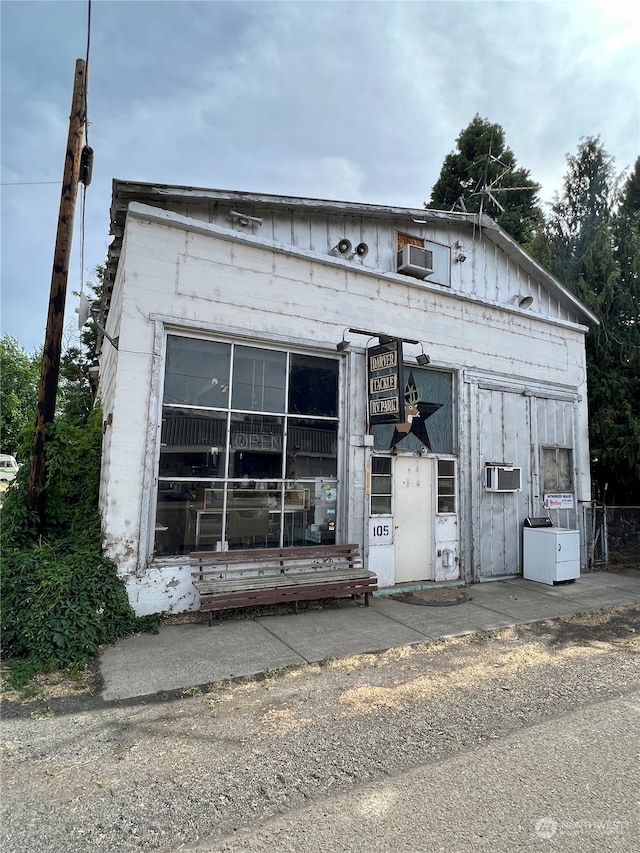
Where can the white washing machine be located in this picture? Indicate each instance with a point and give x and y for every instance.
(550, 554)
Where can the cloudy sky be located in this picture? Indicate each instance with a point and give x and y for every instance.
(359, 101)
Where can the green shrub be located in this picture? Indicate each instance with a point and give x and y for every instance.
(61, 598)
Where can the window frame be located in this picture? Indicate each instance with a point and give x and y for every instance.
(559, 488)
(223, 480)
(380, 474)
(450, 476)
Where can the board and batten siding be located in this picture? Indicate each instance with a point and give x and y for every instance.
(487, 274)
(512, 425)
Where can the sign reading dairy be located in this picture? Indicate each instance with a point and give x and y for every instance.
(385, 383)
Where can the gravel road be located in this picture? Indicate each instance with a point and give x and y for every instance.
(79, 775)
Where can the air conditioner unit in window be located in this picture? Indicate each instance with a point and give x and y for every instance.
(416, 261)
(503, 479)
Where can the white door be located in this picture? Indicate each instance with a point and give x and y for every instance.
(413, 518)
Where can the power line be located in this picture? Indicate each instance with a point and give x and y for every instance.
(26, 183)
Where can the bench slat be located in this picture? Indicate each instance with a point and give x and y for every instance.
(252, 598)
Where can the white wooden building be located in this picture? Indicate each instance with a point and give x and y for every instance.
(237, 403)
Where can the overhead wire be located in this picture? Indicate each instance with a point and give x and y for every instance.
(27, 183)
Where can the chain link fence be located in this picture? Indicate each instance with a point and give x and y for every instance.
(613, 533)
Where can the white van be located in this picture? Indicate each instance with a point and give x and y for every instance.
(8, 467)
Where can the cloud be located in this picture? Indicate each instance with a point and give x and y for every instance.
(358, 101)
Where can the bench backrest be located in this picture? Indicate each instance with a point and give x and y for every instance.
(262, 560)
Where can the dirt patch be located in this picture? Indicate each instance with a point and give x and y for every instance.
(440, 597)
(51, 685)
(518, 652)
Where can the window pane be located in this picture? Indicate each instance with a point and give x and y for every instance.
(248, 516)
(184, 522)
(381, 465)
(446, 467)
(321, 517)
(196, 372)
(258, 380)
(549, 478)
(312, 448)
(313, 386)
(565, 479)
(380, 484)
(380, 505)
(256, 447)
(446, 486)
(446, 503)
(193, 443)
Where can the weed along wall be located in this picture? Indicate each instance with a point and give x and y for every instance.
(238, 405)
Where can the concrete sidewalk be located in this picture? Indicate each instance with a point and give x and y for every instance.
(183, 656)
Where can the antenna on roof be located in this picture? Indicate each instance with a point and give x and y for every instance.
(460, 204)
(488, 189)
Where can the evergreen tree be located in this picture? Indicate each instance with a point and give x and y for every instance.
(592, 245)
(482, 174)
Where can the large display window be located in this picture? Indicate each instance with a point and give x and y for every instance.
(249, 448)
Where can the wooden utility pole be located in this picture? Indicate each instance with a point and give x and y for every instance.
(53, 336)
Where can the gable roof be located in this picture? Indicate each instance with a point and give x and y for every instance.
(166, 195)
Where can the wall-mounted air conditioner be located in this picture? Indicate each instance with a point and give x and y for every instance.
(503, 479)
(415, 261)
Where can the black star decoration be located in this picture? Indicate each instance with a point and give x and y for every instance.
(417, 427)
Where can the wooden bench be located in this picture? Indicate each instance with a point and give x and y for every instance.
(231, 579)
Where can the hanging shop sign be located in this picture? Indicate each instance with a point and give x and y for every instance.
(385, 402)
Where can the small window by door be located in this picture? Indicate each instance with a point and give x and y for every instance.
(381, 485)
(446, 485)
(557, 469)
